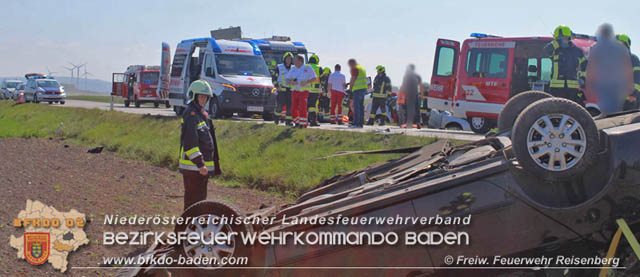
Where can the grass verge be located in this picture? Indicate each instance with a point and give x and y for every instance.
(272, 158)
(96, 98)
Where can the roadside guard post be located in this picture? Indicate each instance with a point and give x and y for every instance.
(623, 229)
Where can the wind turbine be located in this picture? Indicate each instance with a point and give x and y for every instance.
(49, 72)
(85, 74)
(70, 70)
(77, 68)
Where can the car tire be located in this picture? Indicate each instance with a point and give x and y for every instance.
(61, 102)
(267, 116)
(516, 105)
(156, 104)
(210, 209)
(481, 125)
(214, 108)
(536, 152)
(167, 105)
(126, 103)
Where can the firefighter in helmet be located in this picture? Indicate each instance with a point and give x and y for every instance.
(632, 102)
(569, 66)
(198, 147)
(314, 92)
(324, 103)
(381, 90)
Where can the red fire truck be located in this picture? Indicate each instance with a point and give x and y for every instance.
(138, 85)
(476, 80)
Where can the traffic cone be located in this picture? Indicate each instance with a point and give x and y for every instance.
(20, 99)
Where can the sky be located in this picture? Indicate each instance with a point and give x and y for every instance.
(109, 35)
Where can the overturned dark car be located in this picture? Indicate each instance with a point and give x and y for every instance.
(552, 182)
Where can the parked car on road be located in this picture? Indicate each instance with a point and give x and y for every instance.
(8, 88)
(44, 90)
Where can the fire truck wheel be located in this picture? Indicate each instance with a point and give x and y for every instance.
(137, 104)
(126, 103)
(555, 139)
(156, 104)
(481, 125)
(515, 105)
(212, 216)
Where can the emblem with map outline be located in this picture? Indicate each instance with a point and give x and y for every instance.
(49, 235)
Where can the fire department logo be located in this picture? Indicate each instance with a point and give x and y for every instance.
(36, 247)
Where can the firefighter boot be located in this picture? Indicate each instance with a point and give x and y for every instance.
(313, 120)
(382, 120)
(370, 121)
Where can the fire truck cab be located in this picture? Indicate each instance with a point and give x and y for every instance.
(474, 80)
(138, 85)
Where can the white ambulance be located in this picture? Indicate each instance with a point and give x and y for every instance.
(236, 71)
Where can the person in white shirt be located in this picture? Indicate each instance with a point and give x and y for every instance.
(300, 78)
(337, 84)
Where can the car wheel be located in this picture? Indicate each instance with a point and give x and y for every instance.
(205, 214)
(156, 104)
(514, 107)
(481, 125)
(267, 116)
(61, 102)
(167, 105)
(214, 108)
(555, 139)
(126, 103)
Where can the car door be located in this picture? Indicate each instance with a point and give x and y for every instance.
(443, 78)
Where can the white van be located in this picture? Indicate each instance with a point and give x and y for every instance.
(236, 71)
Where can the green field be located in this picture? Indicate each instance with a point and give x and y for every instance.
(265, 156)
(96, 98)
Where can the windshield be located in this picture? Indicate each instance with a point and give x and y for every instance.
(48, 84)
(149, 78)
(273, 56)
(12, 84)
(241, 65)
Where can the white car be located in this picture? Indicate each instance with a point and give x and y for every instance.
(8, 89)
(45, 90)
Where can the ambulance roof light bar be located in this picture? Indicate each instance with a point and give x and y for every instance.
(483, 35)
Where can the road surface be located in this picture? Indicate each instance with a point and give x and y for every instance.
(149, 109)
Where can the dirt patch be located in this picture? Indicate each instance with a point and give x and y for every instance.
(67, 177)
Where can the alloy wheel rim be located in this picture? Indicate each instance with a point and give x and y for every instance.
(556, 142)
(213, 250)
(478, 122)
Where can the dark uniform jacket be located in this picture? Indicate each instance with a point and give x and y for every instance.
(381, 86)
(197, 141)
(567, 62)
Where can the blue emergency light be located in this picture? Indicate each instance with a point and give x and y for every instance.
(483, 35)
(256, 49)
(261, 41)
(299, 44)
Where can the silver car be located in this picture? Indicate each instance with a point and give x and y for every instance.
(8, 88)
(44, 90)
